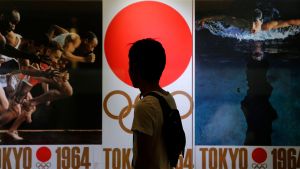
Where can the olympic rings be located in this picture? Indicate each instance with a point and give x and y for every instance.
(111, 94)
(125, 111)
(122, 116)
(43, 165)
(259, 166)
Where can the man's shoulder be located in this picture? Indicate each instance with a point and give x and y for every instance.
(152, 101)
(147, 102)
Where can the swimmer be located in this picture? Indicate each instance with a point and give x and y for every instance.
(254, 26)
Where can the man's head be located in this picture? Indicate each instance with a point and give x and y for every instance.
(147, 60)
(72, 42)
(89, 41)
(54, 51)
(256, 21)
(9, 20)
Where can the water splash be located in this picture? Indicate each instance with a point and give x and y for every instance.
(218, 28)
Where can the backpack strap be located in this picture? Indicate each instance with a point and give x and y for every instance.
(173, 119)
(163, 103)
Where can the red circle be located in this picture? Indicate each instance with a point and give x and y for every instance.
(43, 154)
(259, 155)
(148, 19)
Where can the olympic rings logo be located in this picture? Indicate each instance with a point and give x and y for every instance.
(259, 166)
(125, 111)
(43, 165)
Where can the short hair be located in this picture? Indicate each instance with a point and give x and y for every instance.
(257, 14)
(148, 57)
(89, 35)
(72, 37)
(9, 14)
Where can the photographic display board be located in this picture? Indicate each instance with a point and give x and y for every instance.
(65, 133)
(246, 110)
(232, 67)
(125, 22)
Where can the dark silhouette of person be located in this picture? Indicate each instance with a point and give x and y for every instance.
(256, 106)
(147, 60)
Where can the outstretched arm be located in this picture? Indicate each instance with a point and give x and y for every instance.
(202, 21)
(280, 24)
(37, 73)
(15, 53)
(70, 56)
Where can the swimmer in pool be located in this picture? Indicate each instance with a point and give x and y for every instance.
(254, 26)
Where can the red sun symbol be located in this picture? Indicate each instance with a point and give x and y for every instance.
(148, 19)
(43, 154)
(259, 155)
